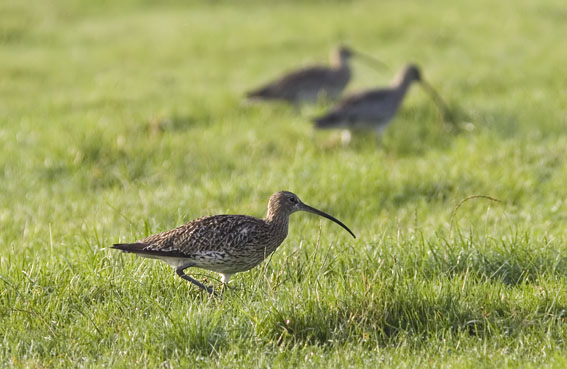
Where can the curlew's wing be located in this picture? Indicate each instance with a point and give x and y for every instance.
(209, 234)
(374, 106)
(294, 83)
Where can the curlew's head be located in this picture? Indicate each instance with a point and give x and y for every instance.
(410, 73)
(341, 55)
(282, 204)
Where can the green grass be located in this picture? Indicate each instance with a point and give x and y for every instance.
(121, 119)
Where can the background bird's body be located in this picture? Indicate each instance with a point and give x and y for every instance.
(309, 84)
(306, 85)
(372, 109)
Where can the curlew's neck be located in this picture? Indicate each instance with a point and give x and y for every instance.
(402, 83)
(338, 62)
(278, 222)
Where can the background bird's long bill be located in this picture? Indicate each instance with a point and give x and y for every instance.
(438, 100)
(325, 215)
(371, 61)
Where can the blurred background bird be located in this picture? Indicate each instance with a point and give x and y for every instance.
(309, 84)
(375, 109)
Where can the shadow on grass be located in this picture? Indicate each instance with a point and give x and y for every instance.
(508, 264)
(499, 289)
(204, 338)
(408, 319)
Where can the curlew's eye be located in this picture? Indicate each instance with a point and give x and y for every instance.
(293, 200)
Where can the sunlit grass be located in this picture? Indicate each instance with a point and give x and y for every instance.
(127, 119)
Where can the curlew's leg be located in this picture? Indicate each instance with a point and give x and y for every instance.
(346, 136)
(180, 272)
(224, 279)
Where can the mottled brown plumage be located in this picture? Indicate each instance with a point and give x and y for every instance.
(374, 109)
(226, 244)
(310, 83)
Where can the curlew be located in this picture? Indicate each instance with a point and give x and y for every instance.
(311, 83)
(374, 109)
(226, 244)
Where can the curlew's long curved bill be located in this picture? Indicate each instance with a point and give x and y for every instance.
(445, 111)
(325, 215)
(371, 61)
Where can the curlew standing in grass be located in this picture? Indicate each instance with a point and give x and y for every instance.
(374, 109)
(226, 244)
(311, 83)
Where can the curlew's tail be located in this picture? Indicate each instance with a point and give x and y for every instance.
(136, 247)
(143, 249)
(262, 93)
(253, 94)
(330, 120)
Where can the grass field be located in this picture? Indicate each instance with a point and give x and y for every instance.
(122, 119)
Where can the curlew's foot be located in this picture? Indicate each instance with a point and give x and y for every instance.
(180, 272)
